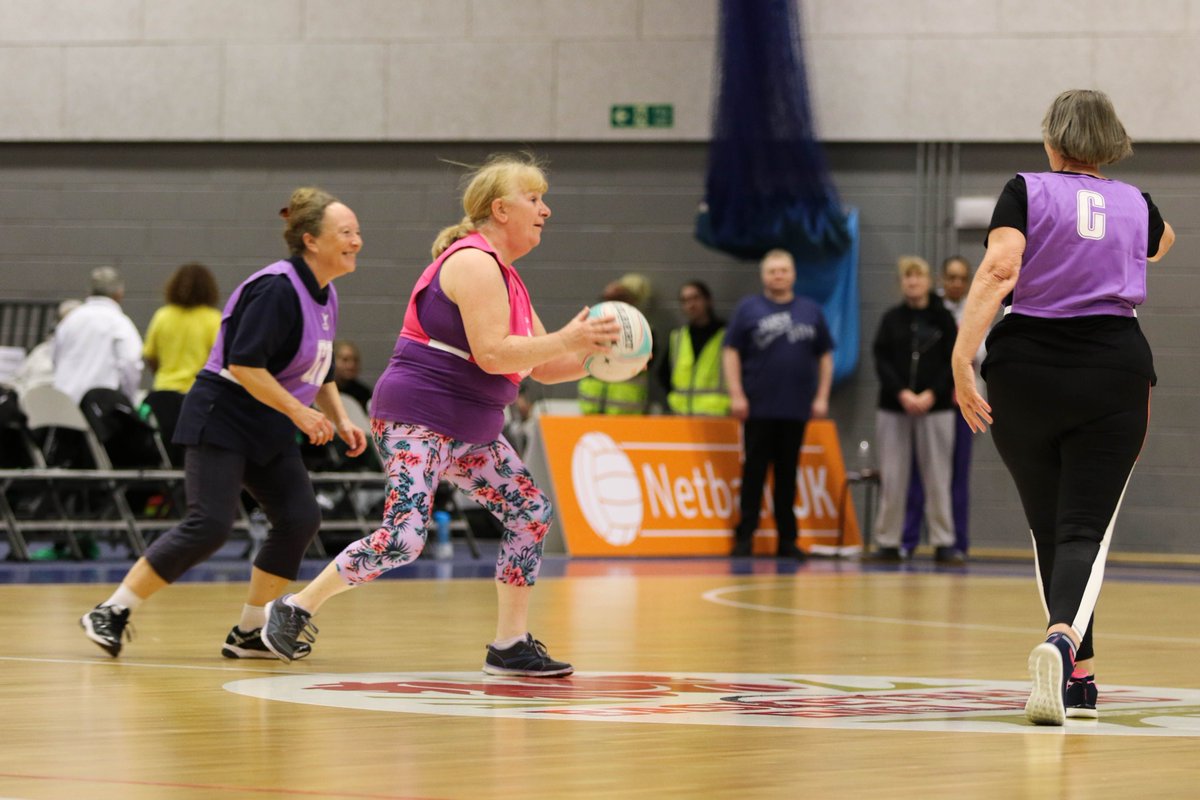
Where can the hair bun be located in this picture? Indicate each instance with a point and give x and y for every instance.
(284, 213)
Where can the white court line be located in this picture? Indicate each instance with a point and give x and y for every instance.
(815, 533)
(683, 446)
(703, 447)
(716, 596)
(116, 663)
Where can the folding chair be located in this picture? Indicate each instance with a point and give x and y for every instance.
(132, 442)
(129, 441)
(164, 407)
(20, 459)
(54, 414)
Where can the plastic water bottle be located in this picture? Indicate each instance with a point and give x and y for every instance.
(865, 468)
(444, 550)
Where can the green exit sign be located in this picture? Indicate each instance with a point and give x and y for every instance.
(643, 115)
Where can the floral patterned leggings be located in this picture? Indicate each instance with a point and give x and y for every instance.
(492, 474)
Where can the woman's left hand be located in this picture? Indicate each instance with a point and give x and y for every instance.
(354, 438)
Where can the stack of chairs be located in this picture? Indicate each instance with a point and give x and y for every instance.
(70, 483)
(102, 467)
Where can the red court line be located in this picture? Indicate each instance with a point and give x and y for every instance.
(215, 787)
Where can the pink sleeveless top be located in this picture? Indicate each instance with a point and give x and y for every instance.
(432, 379)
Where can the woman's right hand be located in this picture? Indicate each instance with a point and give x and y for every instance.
(590, 335)
(313, 424)
(974, 409)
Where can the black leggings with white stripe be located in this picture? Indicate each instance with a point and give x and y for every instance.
(1070, 437)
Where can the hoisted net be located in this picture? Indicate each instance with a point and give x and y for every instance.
(768, 180)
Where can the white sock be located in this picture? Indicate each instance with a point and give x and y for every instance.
(504, 644)
(125, 598)
(291, 601)
(252, 617)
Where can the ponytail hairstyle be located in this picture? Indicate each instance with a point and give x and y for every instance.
(304, 212)
(502, 175)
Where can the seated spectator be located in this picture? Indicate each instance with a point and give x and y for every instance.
(38, 367)
(97, 345)
(347, 362)
(519, 420)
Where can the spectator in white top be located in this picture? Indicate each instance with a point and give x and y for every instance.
(97, 345)
(38, 367)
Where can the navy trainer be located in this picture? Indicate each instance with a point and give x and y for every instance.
(1081, 698)
(1050, 664)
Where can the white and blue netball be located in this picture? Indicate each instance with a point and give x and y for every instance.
(632, 349)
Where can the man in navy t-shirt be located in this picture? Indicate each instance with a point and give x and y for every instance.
(778, 361)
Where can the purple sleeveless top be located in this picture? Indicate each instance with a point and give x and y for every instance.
(1095, 266)
(439, 387)
(304, 375)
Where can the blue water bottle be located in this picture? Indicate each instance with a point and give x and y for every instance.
(444, 550)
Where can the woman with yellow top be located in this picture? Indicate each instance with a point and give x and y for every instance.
(181, 333)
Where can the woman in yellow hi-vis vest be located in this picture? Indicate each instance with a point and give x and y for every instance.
(692, 372)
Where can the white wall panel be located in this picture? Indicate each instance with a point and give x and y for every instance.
(592, 77)
(224, 20)
(67, 21)
(550, 70)
(555, 19)
(143, 93)
(304, 91)
(446, 91)
(31, 98)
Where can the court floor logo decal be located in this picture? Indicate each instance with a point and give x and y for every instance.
(848, 702)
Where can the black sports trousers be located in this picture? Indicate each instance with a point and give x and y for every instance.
(213, 479)
(1070, 437)
(769, 442)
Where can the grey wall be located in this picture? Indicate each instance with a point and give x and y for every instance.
(66, 208)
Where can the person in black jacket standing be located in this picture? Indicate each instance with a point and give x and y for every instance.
(912, 358)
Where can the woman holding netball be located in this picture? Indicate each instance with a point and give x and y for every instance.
(470, 335)
(1068, 371)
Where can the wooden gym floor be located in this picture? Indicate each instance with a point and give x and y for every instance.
(707, 678)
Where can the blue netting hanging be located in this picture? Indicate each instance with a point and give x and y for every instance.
(768, 181)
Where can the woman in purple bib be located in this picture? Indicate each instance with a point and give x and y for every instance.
(271, 362)
(470, 335)
(1068, 371)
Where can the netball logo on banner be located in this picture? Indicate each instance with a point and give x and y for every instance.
(669, 486)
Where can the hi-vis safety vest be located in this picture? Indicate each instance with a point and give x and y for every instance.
(697, 384)
(627, 397)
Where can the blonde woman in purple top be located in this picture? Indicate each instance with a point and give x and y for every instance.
(1068, 371)
(470, 335)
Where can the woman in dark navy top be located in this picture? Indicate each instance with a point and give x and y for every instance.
(273, 359)
(1068, 371)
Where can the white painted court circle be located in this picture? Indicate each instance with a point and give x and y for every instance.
(843, 702)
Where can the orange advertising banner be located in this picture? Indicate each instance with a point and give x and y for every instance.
(659, 486)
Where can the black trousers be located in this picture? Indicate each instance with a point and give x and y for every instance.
(214, 478)
(770, 442)
(1070, 438)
